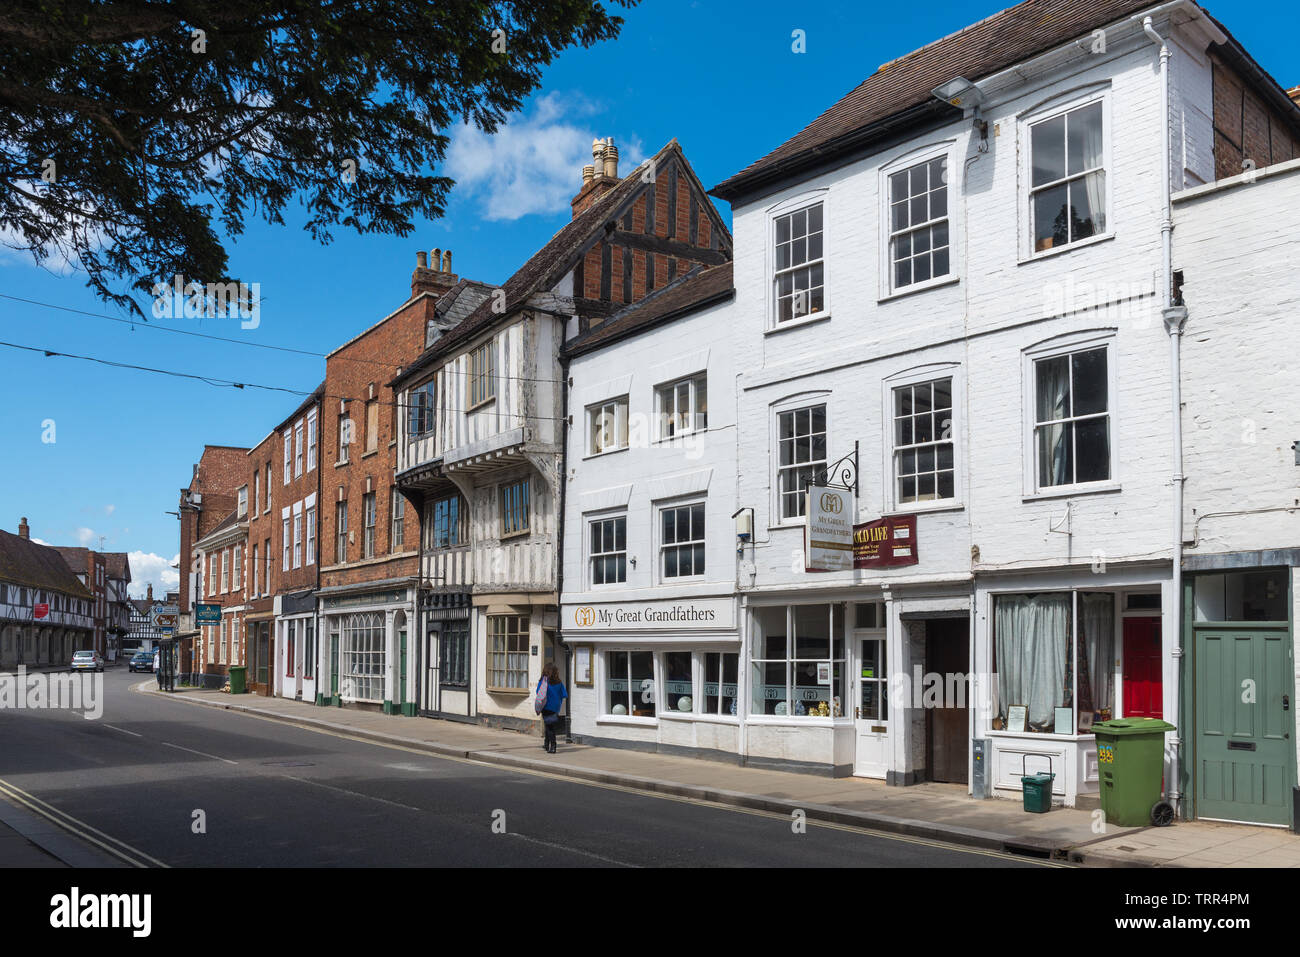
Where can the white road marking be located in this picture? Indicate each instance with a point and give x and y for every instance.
(118, 848)
(133, 734)
(202, 754)
(368, 797)
(570, 850)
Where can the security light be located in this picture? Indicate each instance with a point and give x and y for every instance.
(959, 92)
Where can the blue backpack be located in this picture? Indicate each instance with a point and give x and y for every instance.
(543, 692)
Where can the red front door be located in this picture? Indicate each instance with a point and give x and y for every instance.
(1142, 684)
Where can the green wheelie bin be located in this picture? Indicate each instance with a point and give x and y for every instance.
(1131, 762)
(238, 679)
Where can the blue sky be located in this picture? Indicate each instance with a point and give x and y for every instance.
(721, 77)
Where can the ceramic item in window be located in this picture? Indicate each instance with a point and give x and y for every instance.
(781, 708)
(798, 708)
(684, 703)
(733, 705)
(618, 709)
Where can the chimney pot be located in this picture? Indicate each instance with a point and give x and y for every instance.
(446, 261)
(149, 596)
(588, 174)
(421, 261)
(611, 159)
(435, 259)
(24, 531)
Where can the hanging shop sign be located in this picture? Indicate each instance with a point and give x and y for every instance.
(885, 543)
(207, 614)
(828, 539)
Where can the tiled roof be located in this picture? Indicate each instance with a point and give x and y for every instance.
(25, 562)
(980, 50)
(698, 288)
(117, 565)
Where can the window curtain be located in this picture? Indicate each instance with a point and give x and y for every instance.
(1097, 652)
(1033, 640)
(1053, 403)
(1094, 183)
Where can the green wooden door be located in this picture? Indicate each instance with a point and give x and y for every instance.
(1245, 759)
(400, 698)
(334, 664)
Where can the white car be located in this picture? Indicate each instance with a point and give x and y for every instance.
(87, 661)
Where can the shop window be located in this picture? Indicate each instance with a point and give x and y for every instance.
(869, 614)
(721, 682)
(309, 649)
(679, 689)
(1241, 596)
(630, 683)
(798, 661)
(1046, 647)
(290, 642)
(362, 657)
(508, 652)
(454, 651)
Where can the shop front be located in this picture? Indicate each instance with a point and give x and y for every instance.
(657, 675)
(258, 626)
(364, 660)
(446, 658)
(295, 645)
(1063, 650)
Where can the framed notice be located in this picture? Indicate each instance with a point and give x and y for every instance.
(1017, 716)
(1064, 720)
(582, 676)
(823, 672)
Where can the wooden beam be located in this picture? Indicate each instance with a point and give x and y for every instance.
(668, 247)
(627, 273)
(606, 267)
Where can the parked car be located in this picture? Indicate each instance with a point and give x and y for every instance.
(141, 661)
(87, 661)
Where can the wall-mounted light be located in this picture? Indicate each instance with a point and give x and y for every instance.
(963, 94)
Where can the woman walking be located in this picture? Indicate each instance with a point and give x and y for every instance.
(555, 695)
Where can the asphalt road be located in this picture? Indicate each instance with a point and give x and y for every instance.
(273, 794)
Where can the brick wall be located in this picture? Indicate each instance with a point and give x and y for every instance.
(1245, 127)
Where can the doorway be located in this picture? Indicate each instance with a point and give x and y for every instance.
(947, 727)
(871, 709)
(1143, 684)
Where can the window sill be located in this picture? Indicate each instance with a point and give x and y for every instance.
(918, 508)
(342, 462)
(919, 287)
(486, 402)
(1036, 735)
(1058, 250)
(601, 455)
(679, 437)
(366, 455)
(515, 691)
(628, 720)
(797, 721)
(1068, 491)
(694, 716)
(798, 323)
(513, 535)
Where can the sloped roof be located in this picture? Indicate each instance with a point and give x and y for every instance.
(547, 266)
(978, 51)
(25, 562)
(117, 565)
(696, 289)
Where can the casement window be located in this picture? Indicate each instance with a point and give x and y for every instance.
(420, 409)
(267, 557)
(225, 572)
(507, 665)
(681, 540)
(397, 530)
(297, 449)
(341, 528)
(918, 223)
(256, 572)
(309, 649)
(372, 425)
(368, 525)
(268, 487)
(924, 469)
(683, 406)
(311, 440)
(798, 661)
(454, 652)
(345, 438)
(310, 558)
(288, 454)
(799, 279)
(241, 507)
(629, 683)
(1054, 652)
(238, 567)
(514, 508)
(1072, 418)
(801, 456)
(608, 557)
(482, 374)
(297, 539)
(1067, 195)
(607, 425)
(287, 542)
(444, 522)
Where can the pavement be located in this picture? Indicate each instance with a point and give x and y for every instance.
(940, 812)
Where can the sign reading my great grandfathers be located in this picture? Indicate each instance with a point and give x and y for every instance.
(885, 543)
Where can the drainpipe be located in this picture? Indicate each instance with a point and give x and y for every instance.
(1174, 319)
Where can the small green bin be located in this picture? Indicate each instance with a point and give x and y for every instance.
(1037, 788)
(1131, 763)
(238, 679)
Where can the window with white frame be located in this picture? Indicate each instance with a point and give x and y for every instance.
(798, 661)
(225, 571)
(918, 223)
(721, 682)
(345, 439)
(396, 530)
(801, 456)
(681, 540)
(286, 540)
(1072, 418)
(607, 425)
(420, 409)
(310, 558)
(799, 279)
(924, 470)
(222, 627)
(507, 665)
(630, 683)
(683, 406)
(257, 489)
(1067, 196)
(514, 507)
(241, 506)
(256, 572)
(311, 440)
(297, 539)
(297, 449)
(268, 558)
(341, 529)
(368, 517)
(362, 657)
(288, 454)
(237, 568)
(482, 373)
(608, 555)
(268, 487)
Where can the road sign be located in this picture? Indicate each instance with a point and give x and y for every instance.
(164, 622)
(165, 616)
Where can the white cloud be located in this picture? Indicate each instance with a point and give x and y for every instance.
(110, 509)
(534, 163)
(86, 536)
(148, 568)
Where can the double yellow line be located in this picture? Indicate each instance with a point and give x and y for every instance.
(105, 842)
